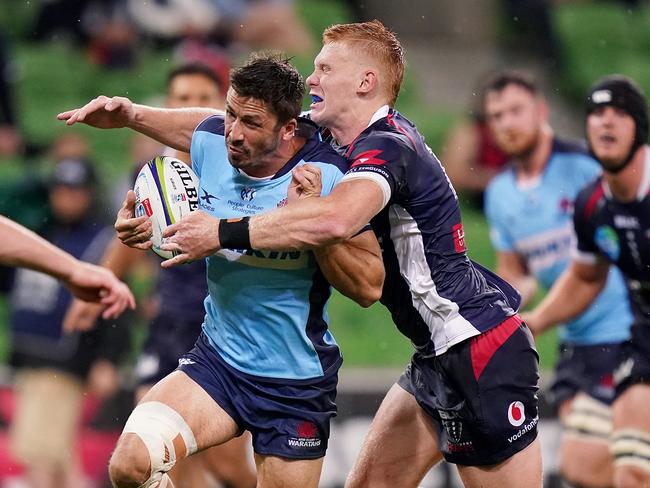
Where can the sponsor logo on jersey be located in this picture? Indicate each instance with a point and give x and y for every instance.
(626, 222)
(283, 202)
(306, 435)
(527, 428)
(247, 194)
(623, 371)
(185, 362)
(607, 241)
(205, 201)
(459, 238)
(516, 414)
(566, 206)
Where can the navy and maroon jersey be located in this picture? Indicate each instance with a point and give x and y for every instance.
(620, 233)
(437, 296)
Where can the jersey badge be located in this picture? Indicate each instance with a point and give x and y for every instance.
(607, 241)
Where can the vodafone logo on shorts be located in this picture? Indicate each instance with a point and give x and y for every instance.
(516, 415)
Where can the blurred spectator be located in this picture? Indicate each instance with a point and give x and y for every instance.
(12, 142)
(471, 156)
(51, 367)
(530, 28)
(256, 23)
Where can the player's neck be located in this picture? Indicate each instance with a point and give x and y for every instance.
(353, 122)
(276, 161)
(625, 185)
(532, 164)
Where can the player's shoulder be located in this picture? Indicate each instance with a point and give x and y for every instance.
(213, 124)
(590, 198)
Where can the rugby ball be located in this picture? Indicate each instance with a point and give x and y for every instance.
(166, 190)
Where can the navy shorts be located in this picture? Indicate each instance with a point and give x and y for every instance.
(481, 394)
(587, 369)
(287, 418)
(168, 338)
(634, 366)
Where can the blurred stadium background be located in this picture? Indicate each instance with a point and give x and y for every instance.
(451, 45)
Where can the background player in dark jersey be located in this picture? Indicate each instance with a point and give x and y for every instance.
(179, 314)
(460, 396)
(529, 209)
(612, 222)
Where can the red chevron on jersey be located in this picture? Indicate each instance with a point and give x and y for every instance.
(368, 157)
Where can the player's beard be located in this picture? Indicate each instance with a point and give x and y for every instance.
(249, 157)
(522, 146)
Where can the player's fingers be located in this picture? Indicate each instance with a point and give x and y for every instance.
(169, 245)
(137, 243)
(176, 260)
(171, 230)
(132, 225)
(66, 115)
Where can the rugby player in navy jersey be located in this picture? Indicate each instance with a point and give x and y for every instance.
(461, 397)
(529, 209)
(612, 223)
(179, 313)
(265, 361)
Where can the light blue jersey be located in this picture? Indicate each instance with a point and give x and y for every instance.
(266, 310)
(535, 221)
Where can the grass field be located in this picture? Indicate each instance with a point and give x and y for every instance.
(55, 77)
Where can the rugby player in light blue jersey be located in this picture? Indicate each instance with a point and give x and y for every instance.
(265, 361)
(530, 212)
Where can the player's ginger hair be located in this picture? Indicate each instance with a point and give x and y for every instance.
(378, 42)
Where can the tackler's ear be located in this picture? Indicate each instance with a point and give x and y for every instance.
(368, 81)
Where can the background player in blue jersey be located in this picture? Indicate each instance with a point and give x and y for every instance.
(612, 223)
(265, 361)
(529, 208)
(460, 396)
(178, 300)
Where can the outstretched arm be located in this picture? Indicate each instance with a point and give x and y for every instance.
(21, 247)
(571, 294)
(172, 127)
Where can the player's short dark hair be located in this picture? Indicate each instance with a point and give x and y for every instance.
(195, 69)
(499, 81)
(270, 78)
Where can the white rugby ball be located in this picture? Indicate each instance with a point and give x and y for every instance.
(166, 190)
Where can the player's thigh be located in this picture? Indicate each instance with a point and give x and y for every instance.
(522, 470)
(209, 423)
(401, 435)
(277, 472)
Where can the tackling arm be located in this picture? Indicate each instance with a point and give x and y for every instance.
(354, 267)
(571, 294)
(317, 222)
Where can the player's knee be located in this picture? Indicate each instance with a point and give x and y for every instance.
(148, 447)
(129, 464)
